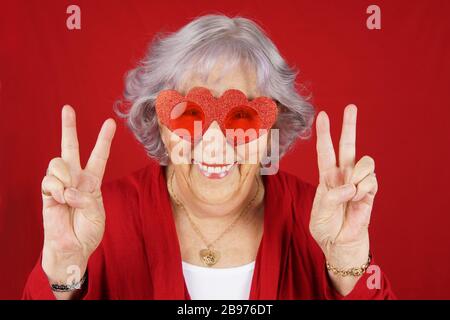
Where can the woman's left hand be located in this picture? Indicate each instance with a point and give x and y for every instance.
(344, 198)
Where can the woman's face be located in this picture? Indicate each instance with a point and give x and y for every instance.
(214, 170)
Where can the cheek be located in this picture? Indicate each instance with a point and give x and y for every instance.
(179, 149)
(247, 173)
(254, 151)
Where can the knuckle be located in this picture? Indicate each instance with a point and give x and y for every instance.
(52, 182)
(369, 184)
(44, 184)
(346, 144)
(369, 161)
(59, 169)
(70, 144)
(55, 162)
(375, 184)
(370, 180)
(46, 181)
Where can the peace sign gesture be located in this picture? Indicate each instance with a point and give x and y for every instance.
(344, 198)
(73, 213)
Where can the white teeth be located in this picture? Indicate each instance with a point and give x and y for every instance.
(208, 170)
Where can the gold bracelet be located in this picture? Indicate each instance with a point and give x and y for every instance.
(355, 272)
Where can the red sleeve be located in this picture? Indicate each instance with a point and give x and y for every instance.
(37, 286)
(373, 284)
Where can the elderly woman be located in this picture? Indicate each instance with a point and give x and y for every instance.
(213, 218)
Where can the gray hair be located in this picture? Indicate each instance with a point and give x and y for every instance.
(197, 46)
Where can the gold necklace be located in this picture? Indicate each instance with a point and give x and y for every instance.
(210, 256)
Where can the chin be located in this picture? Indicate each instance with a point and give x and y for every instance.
(214, 183)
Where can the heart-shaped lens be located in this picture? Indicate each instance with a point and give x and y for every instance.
(187, 119)
(242, 124)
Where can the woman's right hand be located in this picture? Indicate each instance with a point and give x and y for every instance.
(73, 212)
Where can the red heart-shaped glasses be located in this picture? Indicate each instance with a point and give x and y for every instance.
(239, 119)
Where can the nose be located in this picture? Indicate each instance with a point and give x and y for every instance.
(213, 148)
(213, 131)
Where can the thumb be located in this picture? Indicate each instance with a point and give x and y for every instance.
(339, 195)
(79, 199)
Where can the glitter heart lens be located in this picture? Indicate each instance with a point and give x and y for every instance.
(242, 124)
(187, 120)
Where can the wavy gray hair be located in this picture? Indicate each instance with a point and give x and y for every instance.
(197, 46)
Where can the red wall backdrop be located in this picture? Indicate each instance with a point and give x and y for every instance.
(399, 77)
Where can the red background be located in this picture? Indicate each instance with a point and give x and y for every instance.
(398, 77)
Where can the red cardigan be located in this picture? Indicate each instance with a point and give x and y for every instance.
(139, 256)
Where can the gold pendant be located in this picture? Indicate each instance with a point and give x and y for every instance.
(209, 256)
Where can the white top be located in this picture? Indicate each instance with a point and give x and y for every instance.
(205, 283)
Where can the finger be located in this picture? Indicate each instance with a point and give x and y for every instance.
(368, 186)
(69, 141)
(325, 152)
(58, 168)
(364, 167)
(99, 156)
(80, 200)
(348, 137)
(337, 196)
(52, 188)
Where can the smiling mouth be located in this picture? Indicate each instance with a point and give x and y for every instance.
(214, 171)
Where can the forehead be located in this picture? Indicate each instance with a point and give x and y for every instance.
(221, 78)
